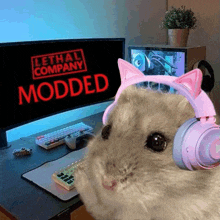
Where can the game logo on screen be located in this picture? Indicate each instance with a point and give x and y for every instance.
(43, 78)
(55, 65)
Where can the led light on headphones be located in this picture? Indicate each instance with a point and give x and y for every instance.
(215, 150)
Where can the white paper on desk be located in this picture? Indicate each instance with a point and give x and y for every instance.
(42, 176)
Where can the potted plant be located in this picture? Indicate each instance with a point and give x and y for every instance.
(179, 21)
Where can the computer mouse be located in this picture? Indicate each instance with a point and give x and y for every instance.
(78, 142)
(70, 141)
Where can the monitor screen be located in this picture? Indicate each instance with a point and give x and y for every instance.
(43, 78)
(158, 61)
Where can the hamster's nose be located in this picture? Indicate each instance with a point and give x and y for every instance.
(109, 183)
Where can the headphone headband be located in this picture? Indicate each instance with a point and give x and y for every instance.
(188, 85)
(196, 143)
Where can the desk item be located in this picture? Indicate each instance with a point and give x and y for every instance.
(41, 176)
(70, 141)
(22, 152)
(65, 176)
(57, 138)
(73, 140)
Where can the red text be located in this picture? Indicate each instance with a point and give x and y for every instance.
(87, 86)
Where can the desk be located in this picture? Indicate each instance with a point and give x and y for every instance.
(26, 201)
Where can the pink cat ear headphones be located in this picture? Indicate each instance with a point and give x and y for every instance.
(197, 142)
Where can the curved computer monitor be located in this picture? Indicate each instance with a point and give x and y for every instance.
(44, 78)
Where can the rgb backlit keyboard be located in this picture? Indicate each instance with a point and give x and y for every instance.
(57, 137)
(65, 176)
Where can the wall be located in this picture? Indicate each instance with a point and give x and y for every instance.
(144, 18)
(27, 20)
(207, 33)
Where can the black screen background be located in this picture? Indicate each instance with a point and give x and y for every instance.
(101, 56)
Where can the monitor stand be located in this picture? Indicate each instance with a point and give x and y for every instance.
(3, 140)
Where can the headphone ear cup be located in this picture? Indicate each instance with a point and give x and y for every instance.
(207, 83)
(208, 80)
(178, 142)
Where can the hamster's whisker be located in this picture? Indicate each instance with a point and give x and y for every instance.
(142, 204)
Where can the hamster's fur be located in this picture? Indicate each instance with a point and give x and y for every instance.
(149, 184)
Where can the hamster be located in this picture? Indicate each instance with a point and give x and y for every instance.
(125, 176)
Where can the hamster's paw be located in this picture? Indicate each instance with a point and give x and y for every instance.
(84, 186)
(80, 177)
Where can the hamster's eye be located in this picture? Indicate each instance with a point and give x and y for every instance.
(156, 142)
(106, 132)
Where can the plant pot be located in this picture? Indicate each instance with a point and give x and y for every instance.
(178, 37)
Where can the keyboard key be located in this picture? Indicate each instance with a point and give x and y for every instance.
(65, 177)
(40, 137)
(47, 143)
(55, 138)
(59, 175)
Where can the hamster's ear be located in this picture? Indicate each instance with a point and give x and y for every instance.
(192, 81)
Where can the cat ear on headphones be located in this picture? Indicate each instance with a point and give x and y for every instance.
(191, 81)
(128, 71)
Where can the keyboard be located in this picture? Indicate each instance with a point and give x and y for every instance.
(65, 176)
(57, 137)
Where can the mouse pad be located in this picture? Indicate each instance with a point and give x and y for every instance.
(42, 176)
